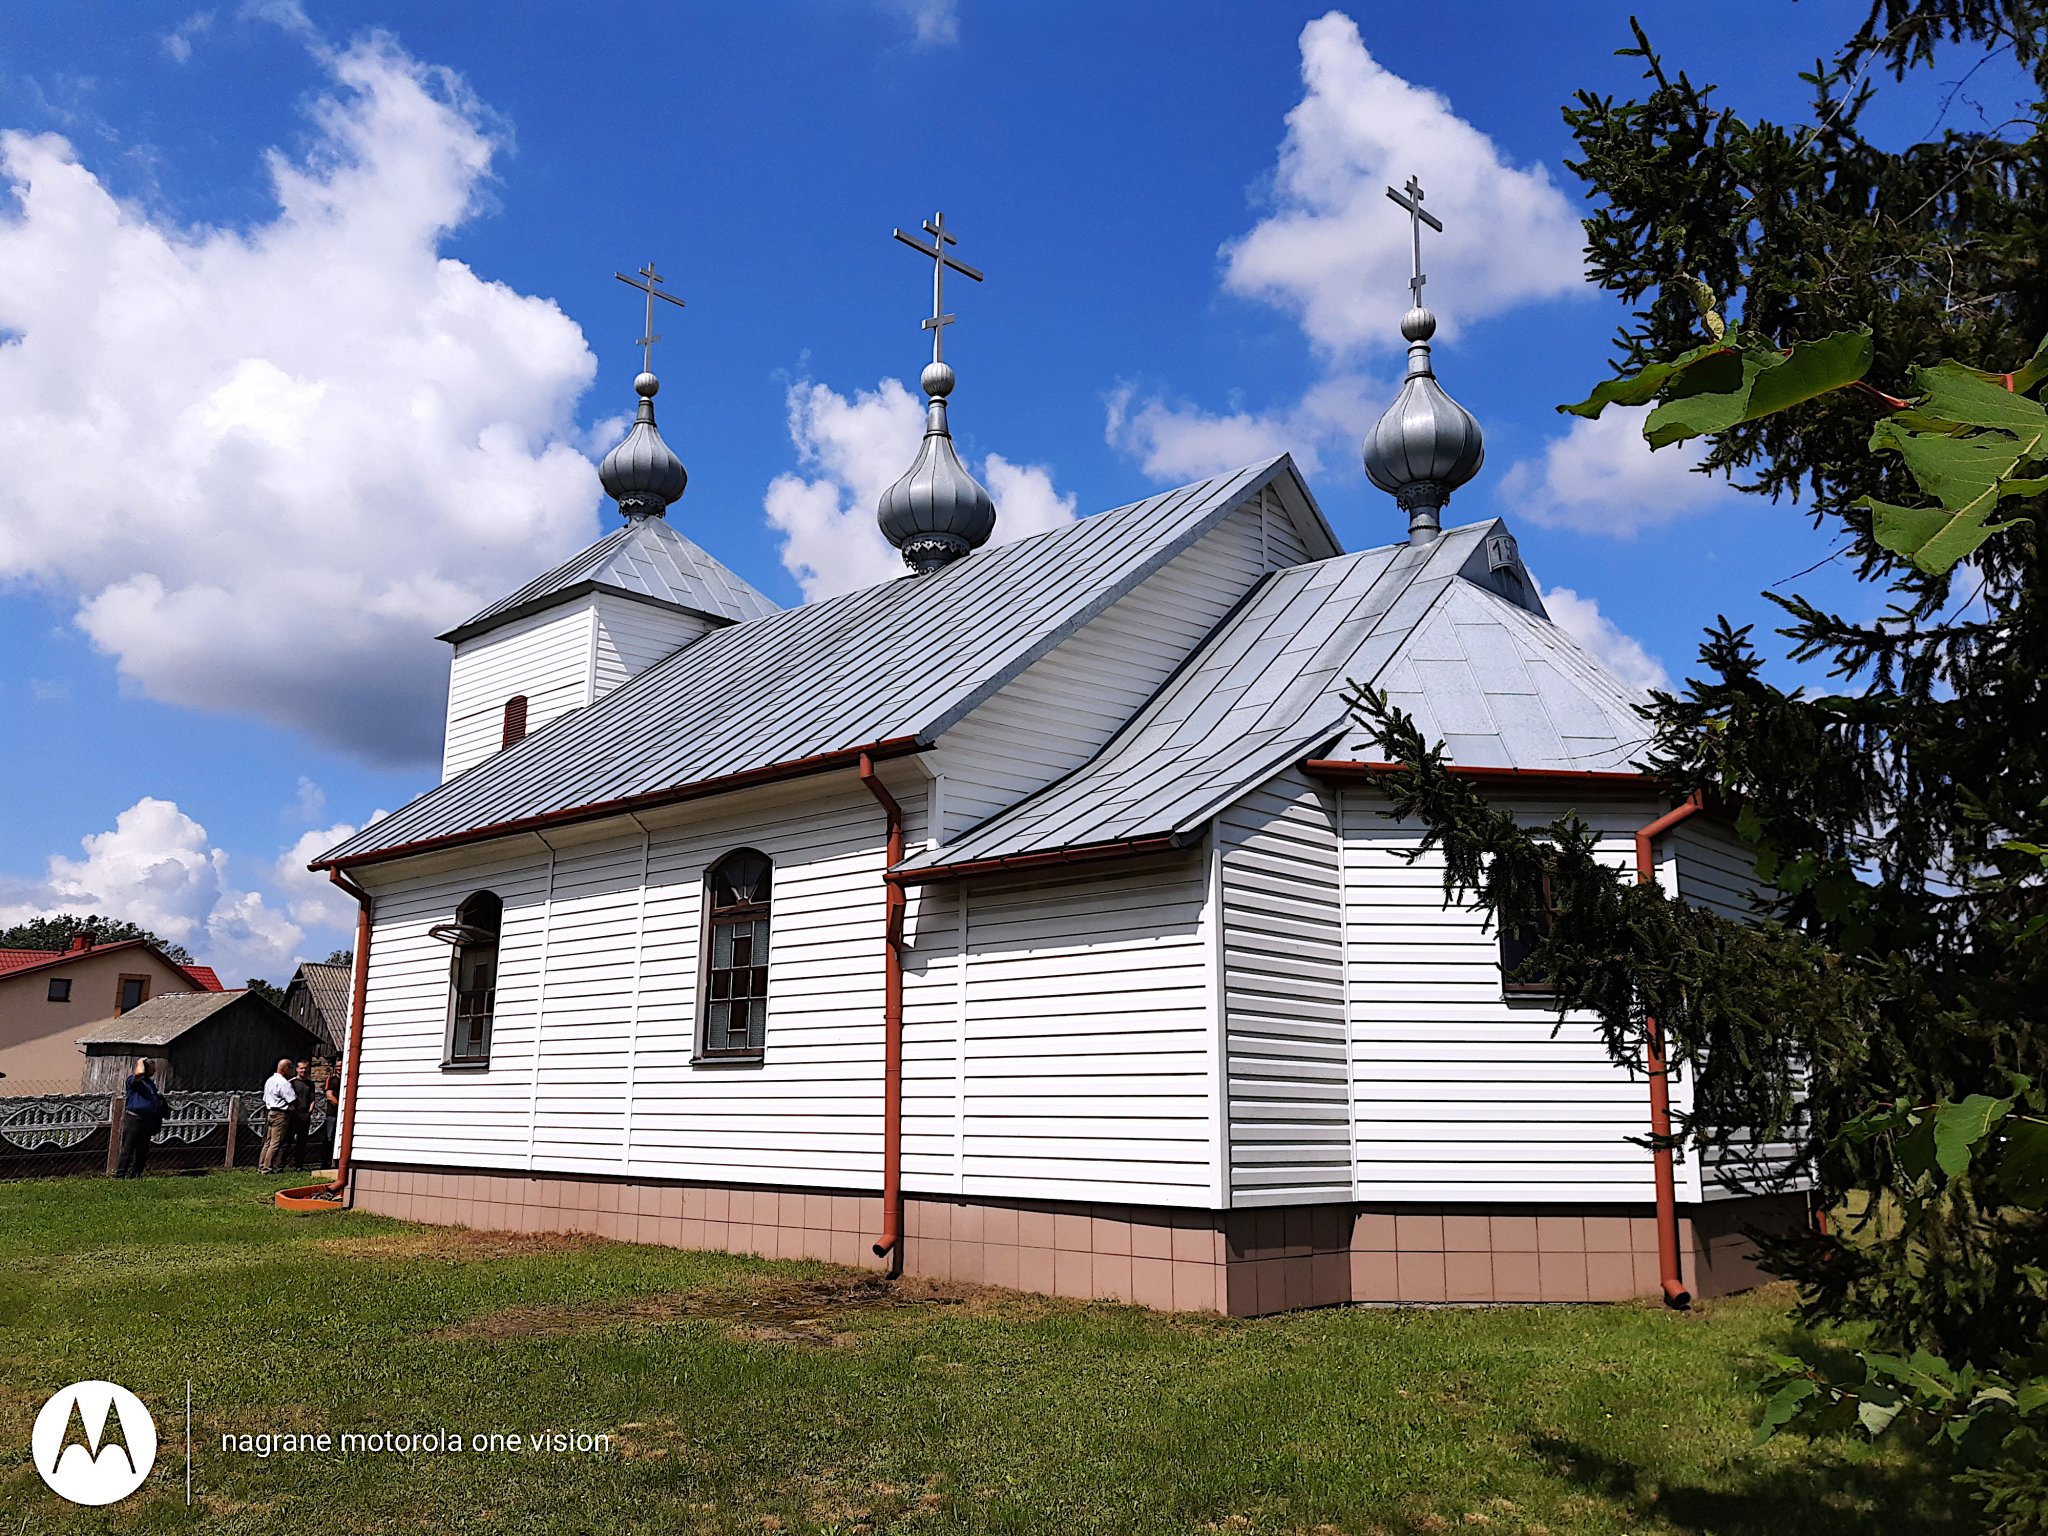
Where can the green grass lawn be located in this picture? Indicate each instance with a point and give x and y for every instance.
(745, 1395)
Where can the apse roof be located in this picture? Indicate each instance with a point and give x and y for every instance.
(1434, 624)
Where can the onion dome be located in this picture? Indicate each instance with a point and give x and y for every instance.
(937, 512)
(1426, 445)
(642, 474)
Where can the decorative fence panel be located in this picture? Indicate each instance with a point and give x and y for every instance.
(69, 1133)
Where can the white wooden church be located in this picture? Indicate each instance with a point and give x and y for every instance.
(1031, 919)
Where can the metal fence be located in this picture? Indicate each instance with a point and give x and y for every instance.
(55, 1134)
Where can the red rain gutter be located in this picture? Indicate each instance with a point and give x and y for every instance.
(796, 768)
(1675, 1293)
(890, 1244)
(323, 1197)
(1035, 860)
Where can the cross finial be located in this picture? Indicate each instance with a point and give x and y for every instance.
(935, 226)
(1417, 217)
(646, 284)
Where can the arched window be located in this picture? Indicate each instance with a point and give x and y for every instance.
(515, 721)
(473, 978)
(735, 966)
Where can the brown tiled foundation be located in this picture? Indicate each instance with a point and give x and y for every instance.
(1243, 1263)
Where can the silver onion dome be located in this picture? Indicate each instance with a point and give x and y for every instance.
(1426, 445)
(936, 512)
(642, 474)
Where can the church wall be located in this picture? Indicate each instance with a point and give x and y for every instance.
(594, 1032)
(631, 637)
(1060, 712)
(546, 656)
(1460, 1093)
(1712, 869)
(1283, 991)
(1082, 1061)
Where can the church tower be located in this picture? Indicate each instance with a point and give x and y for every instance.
(572, 635)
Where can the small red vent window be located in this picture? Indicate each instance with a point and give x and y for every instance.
(515, 720)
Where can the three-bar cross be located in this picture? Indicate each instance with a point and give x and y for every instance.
(646, 342)
(935, 226)
(1417, 217)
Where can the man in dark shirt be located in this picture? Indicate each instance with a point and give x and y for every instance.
(142, 1113)
(301, 1117)
(333, 1094)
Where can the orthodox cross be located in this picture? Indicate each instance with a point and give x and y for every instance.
(646, 342)
(1417, 217)
(935, 226)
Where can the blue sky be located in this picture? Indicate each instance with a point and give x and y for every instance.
(310, 331)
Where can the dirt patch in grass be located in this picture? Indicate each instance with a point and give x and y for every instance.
(456, 1245)
(776, 1311)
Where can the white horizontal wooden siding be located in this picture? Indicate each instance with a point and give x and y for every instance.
(602, 974)
(1060, 711)
(1459, 1093)
(1089, 1036)
(546, 656)
(1283, 993)
(632, 636)
(1707, 865)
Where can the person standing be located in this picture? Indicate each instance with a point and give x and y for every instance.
(333, 1092)
(142, 1115)
(301, 1121)
(278, 1099)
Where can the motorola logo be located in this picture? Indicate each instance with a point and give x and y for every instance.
(94, 1442)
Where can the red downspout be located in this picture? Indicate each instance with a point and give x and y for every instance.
(890, 1244)
(321, 1196)
(1675, 1293)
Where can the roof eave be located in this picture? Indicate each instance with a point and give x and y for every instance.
(485, 623)
(1044, 858)
(796, 768)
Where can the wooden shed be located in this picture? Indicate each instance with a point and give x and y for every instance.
(200, 1041)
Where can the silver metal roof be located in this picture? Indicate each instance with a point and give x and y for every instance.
(646, 560)
(903, 659)
(1502, 684)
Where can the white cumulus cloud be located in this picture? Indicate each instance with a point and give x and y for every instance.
(1621, 653)
(157, 867)
(313, 900)
(269, 464)
(1601, 477)
(852, 450)
(1334, 254)
(1177, 441)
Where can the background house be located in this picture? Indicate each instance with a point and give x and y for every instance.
(317, 997)
(46, 995)
(200, 1040)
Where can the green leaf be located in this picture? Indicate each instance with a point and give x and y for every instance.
(1916, 1148)
(2031, 1397)
(1814, 368)
(1878, 1408)
(1959, 1127)
(1641, 388)
(1932, 539)
(1722, 391)
(1783, 1405)
(1965, 395)
(2023, 1165)
(2035, 370)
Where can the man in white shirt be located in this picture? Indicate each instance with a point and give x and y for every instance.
(279, 1098)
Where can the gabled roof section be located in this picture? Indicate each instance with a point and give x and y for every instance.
(328, 986)
(647, 561)
(1266, 691)
(161, 1019)
(15, 962)
(891, 666)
